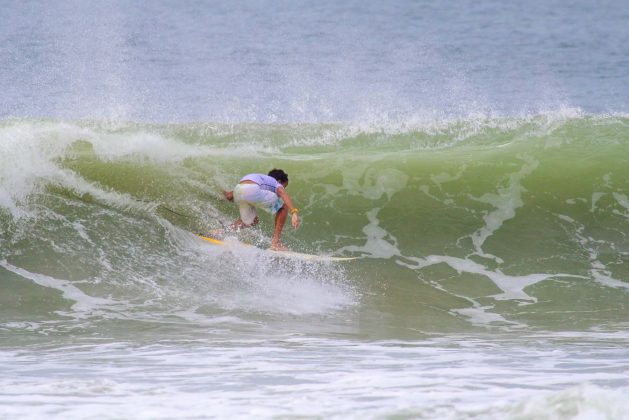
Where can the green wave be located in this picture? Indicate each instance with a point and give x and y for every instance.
(483, 215)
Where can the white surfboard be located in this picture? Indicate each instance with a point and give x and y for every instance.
(285, 254)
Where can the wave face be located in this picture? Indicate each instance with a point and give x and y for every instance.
(507, 223)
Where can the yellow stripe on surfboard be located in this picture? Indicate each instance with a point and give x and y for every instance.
(212, 240)
(285, 254)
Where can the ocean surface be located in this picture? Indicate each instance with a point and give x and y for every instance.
(474, 156)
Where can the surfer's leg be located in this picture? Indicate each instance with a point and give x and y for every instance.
(280, 219)
(234, 227)
(239, 224)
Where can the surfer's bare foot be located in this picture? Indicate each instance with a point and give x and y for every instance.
(229, 195)
(278, 247)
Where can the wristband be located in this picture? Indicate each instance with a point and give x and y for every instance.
(295, 210)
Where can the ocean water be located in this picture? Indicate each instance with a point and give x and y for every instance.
(474, 158)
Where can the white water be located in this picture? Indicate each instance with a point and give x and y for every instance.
(459, 377)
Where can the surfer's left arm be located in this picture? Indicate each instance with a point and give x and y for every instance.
(288, 203)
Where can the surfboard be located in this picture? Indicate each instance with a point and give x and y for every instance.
(283, 254)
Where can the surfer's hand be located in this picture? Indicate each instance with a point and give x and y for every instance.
(294, 220)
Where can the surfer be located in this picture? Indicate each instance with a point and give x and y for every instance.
(267, 192)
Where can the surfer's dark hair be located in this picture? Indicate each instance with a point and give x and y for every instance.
(279, 174)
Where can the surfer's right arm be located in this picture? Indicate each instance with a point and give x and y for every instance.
(288, 203)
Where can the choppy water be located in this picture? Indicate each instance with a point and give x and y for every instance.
(484, 188)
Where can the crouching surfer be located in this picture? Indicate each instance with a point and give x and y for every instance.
(266, 192)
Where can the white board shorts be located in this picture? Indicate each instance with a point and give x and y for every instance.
(251, 196)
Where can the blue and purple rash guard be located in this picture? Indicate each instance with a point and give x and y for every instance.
(264, 181)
